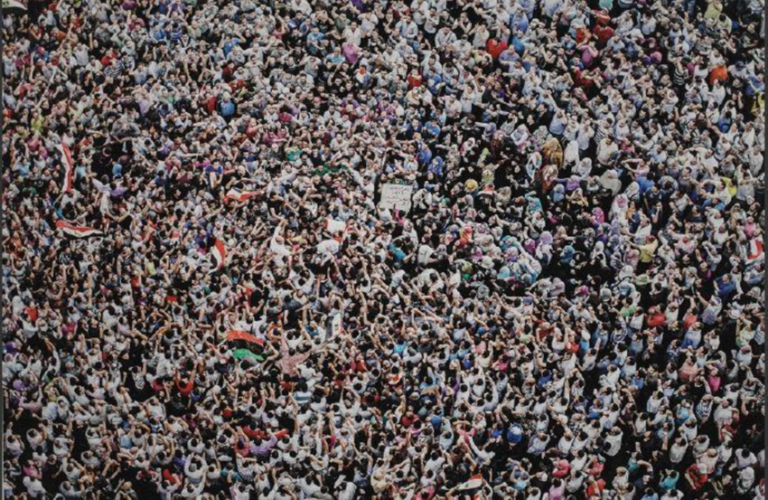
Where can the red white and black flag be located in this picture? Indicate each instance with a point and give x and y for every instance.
(239, 195)
(77, 231)
(69, 168)
(755, 250)
(219, 252)
(472, 488)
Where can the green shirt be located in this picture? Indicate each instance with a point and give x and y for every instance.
(628, 311)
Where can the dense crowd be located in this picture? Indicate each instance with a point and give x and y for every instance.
(209, 293)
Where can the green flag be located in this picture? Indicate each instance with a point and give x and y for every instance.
(245, 353)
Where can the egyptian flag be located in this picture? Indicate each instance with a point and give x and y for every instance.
(472, 488)
(219, 253)
(239, 195)
(755, 250)
(77, 231)
(243, 345)
(69, 168)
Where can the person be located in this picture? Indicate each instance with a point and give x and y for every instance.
(383, 250)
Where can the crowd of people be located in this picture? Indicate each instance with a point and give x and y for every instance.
(209, 293)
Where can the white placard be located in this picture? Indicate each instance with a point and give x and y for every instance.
(336, 325)
(396, 196)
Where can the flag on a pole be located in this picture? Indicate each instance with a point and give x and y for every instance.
(77, 231)
(69, 168)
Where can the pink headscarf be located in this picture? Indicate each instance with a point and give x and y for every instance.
(598, 216)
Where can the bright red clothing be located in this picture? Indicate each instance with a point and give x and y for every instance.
(582, 35)
(595, 489)
(697, 478)
(603, 33)
(415, 80)
(185, 389)
(720, 73)
(657, 319)
(495, 47)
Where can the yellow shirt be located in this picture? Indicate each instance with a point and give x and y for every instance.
(37, 124)
(713, 10)
(647, 251)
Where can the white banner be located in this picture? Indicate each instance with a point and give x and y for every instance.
(396, 196)
(13, 4)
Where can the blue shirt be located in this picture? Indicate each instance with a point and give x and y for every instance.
(644, 184)
(425, 155)
(227, 108)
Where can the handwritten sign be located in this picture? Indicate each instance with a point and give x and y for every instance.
(396, 196)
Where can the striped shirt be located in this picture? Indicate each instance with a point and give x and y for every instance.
(177, 33)
(679, 75)
(114, 69)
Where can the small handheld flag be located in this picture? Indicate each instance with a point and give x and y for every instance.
(755, 250)
(219, 252)
(69, 168)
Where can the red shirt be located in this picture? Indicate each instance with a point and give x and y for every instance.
(252, 433)
(186, 389)
(698, 480)
(107, 59)
(582, 35)
(657, 319)
(408, 421)
(582, 81)
(210, 104)
(415, 80)
(32, 314)
(281, 434)
(596, 470)
(169, 476)
(495, 48)
(603, 33)
(592, 491)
